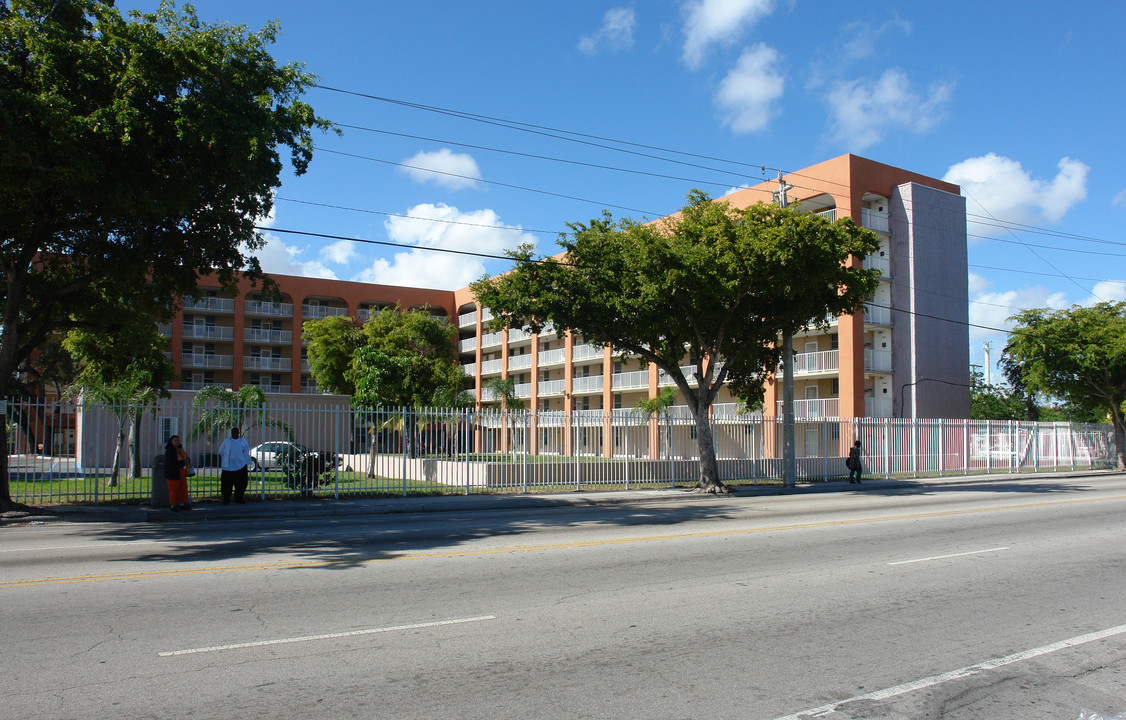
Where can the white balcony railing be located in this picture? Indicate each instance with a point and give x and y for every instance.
(523, 390)
(277, 309)
(467, 319)
(878, 262)
(586, 352)
(813, 408)
(591, 383)
(469, 369)
(877, 361)
(490, 367)
(551, 387)
(873, 220)
(492, 339)
(205, 360)
(519, 362)
(264, 362)
(814, 362)
(209, 332)
(630, 380)
(261, 335)
(516, 335)
(552, 357)
(322, 311)
(213, 304)
(877, 407)
(877, 314)
(467, 345)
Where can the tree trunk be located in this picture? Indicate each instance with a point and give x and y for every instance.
(709, 467)
(1119, 423)
(6, 503)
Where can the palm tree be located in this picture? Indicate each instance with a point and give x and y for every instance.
(658, 406)
(504, 389)
(220, 409)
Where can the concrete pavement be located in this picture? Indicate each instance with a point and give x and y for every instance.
(255, 509)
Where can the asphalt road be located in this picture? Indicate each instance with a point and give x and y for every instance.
(992, 600)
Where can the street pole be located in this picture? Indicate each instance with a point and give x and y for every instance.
(789, 454)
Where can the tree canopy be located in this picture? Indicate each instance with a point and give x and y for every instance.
(1078, 355)
(136, 154)
(395, 359)
(713, 283)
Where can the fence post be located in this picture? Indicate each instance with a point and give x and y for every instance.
(404, 440)
(524, 452)
(1071, 443)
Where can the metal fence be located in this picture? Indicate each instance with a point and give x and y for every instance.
(67, 453)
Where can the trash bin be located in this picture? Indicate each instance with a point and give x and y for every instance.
(159, 484)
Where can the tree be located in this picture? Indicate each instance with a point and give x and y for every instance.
(1078, 355)
(221, 409)
(122, 371)
(712, 283)
(135, 155)
(396, 359)
(994, 402)
(658, 406)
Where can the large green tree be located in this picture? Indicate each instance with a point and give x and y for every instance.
(1077, 355)
(122, 371)
(135, 154)
(713, 283)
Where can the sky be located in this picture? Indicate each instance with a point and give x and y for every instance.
(475, 127)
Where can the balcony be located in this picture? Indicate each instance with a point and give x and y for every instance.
(813, 408)
(517, 335)
(830, 214)
(552, 387)
(468, 319)
(470, 369)
(467, 345)
(522, 390)
(552, 357)
(204, 360)
(589, 384)
(262, 362)
(630, 380)
(274, 309)
(812, 363)
(519, 362)
(492, 339)
(874, 220)
(208, 332)
(210, 304)
(490, 367)
(260, 335)
(316, 312)
(877, 360)
(877, 314)
(587, 352)
(877, 407)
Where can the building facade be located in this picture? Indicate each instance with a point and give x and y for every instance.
(905, 355)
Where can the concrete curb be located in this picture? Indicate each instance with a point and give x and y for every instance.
(328, 507)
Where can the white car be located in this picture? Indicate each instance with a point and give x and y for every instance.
(267, 455)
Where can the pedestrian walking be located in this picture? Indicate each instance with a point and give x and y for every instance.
(177, 467)
(234, 453)
(853, 463)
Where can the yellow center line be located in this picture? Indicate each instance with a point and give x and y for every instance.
(312, 564)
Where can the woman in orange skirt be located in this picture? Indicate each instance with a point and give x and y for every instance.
(176, 469)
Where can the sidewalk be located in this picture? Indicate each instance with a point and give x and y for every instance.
(254, 509)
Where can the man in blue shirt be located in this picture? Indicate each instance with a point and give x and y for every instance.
(235, 455)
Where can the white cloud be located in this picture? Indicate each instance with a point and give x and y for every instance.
(862, 112)
(443, 168)
(616, 32)
(711, 21)
(999, 187)
(1119, 199)
(748, 95)
(480, 231)
(341, 252)
(990, 310)
(978, 284)
(279, 258)
(1107, 290)
(860, 37)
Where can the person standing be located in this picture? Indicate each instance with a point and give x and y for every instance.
(235, 456)
(855, 467)
(176, 469)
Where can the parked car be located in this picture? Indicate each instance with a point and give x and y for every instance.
(281, 454)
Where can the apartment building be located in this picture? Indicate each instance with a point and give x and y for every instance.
(905, 355)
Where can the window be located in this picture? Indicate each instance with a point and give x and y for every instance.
(169, 426)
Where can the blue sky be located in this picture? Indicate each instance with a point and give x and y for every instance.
(1021, 103)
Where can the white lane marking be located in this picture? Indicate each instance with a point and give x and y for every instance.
(943, 557)
(959, 673)
(327, 636)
